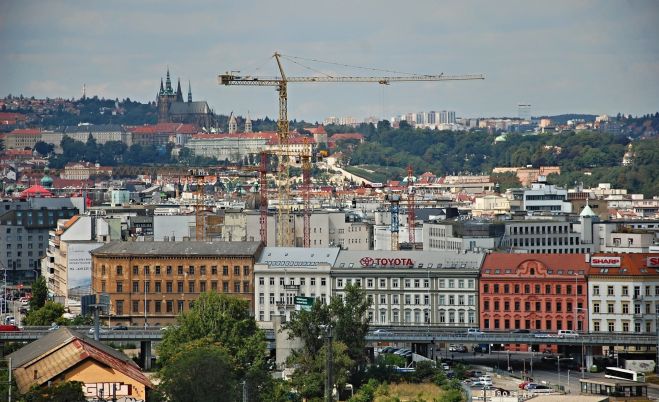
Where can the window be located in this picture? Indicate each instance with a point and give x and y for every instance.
(596, 290)
(323, 282)
(135, 269)
(120, 286)
(214, 286)
(596, 307)
(609, 291)
(147, 270)
(136, 287)
(158, 287)
(168, 270)
(169, 287)
(136, 306)
(394, 283)
(179, 286)
(119, 309)
(225, 270)
(157, 269)
(120, 270)
(213, 269)
(180, 269)
(158, 306)
(236, 270)
(202, 270)
(609, 308)
(486, 288)
(236, 287)
(596, 326)
(383, 283)
(625, 290)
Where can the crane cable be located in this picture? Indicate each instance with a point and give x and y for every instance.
(349, 65)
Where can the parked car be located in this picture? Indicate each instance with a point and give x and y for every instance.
(101, 330)
(388, 349)
(120, 328)
(521, 331)
(10, 320)
(9, 328)
(382, 332)
(566, 333)
(474, 331)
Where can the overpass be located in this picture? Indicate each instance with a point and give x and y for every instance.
(416, 335)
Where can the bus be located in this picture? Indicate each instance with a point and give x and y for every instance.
(623, 374)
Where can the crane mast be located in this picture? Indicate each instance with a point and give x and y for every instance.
(284, 234)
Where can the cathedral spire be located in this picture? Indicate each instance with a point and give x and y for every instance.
(179, 93)
(189, 92)
(248, 124)
(162, 89)
(168, 84)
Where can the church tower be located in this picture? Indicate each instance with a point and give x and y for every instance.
(248, 124)
(166, 97)
(179, 93)
(189, 92)
(233, 125)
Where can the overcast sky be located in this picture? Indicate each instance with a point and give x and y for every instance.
(559, 56)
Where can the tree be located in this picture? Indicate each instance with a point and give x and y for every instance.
(351, 322)
(69, 391)
(44, 148)
(224, 321)
(199, 372)
(39, 293)
(50, 313)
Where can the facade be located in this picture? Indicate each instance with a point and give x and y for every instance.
(460, 236)
(22, 138)
(283, 273)
(64, 355)
(538, 236)
(623, 291)
(545, 198)
(84, 170)
(24, 239)
(152, 282)
(413, 288)
(539, 292)
(230, 147)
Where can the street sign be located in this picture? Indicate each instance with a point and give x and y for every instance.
(304, 302)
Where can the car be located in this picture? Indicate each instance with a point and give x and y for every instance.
(462, 349)
(566, 333)
(10, 320)
(388, 349)
(101, 330)
(120, 328)
(445, 367)
(382, 332)
(452, 348)
(521, 331)
(541, 335)
(474, 331)
(53, 327)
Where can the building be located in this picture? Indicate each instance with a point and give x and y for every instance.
(284, 273)
(172, 108)
(544, 236)
(24, 239)
(151, 283)
(234, 147)
(539, 292)
(413, 288)
(22, 138)
(462, 235)
(84, 170)
(623, 291)
(65, 355)
(545, 198)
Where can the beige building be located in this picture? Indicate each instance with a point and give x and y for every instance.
(22, 138)
(84, 170)
(152, 283)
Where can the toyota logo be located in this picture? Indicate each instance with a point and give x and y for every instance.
(367, 261)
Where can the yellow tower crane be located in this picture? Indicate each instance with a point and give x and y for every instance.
(284, 234)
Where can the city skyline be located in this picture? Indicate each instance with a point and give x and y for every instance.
(588, 57)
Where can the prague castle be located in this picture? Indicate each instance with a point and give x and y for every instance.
(172, 108)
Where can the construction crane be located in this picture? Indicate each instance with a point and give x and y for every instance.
(281, 84)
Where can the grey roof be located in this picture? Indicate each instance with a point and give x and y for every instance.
(56, 340)
(297, 256)
(407, 258)
(200, 107)
(170, 248)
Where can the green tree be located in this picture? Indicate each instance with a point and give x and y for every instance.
(199, 372)
(224, 321)
(69, 391)
(43, 148)
(39, 293)
(351, 321)
(50, 313)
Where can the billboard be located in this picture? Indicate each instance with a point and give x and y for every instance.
(79, 267)
(605, 261)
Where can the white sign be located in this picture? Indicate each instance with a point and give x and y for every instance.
(605, 261)
(79, 263)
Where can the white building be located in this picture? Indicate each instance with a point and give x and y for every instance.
(623, 293)
(283, 273)
(545, 198)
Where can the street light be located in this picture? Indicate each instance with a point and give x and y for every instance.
(583, 349)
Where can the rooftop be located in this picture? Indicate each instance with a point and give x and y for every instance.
(185, 248)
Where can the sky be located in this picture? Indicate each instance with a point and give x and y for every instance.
(569, 56)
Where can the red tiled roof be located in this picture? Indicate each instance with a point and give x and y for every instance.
(502, 261)
(36, 190)
(170, 128)
(346, 136)
(26, 131)
(316, 130)
(18, 152)
(628, 264)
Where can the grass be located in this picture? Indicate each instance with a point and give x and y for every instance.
(411, 392)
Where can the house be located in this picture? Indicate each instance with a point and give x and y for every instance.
(66, 355)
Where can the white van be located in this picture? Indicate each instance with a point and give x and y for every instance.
(566, 333)
(485, 380)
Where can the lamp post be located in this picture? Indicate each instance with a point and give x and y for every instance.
(583, 349)
(327, 329)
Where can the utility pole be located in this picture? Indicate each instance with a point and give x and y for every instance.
(329, 382)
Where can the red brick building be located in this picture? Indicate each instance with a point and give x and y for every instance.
(537, 292)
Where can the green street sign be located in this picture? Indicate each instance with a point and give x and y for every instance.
(304, 301)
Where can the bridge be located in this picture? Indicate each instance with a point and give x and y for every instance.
(416, 335)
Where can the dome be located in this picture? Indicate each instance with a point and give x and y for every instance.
(46, 181)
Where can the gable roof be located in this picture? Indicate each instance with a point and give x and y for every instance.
(63, 349)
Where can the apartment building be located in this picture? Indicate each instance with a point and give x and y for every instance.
(150, 283)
